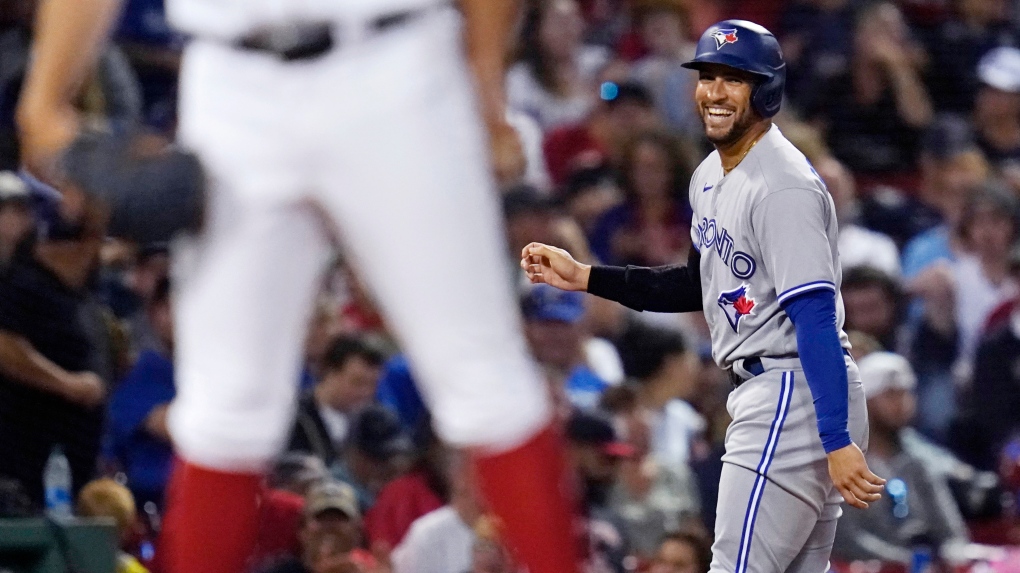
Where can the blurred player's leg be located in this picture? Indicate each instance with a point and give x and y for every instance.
(414, 200)
(243, 297)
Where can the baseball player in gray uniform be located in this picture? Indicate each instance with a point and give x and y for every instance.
(765, 271)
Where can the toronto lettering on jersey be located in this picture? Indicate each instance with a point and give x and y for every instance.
(710, 235)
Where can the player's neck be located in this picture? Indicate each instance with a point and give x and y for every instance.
(732, 154)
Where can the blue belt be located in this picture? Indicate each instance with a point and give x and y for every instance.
(754, 366)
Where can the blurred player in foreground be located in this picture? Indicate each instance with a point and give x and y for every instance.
(765, 270)
(358, 114)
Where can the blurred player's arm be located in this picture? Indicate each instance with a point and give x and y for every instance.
(488, 31)
(22, 363)
(674, 288)
(69, 36)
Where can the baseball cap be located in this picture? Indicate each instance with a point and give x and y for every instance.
(543, 302)
(297, 468)
(1000, 68)
(377, 433)
(329, 495)
(595, 429)
(884, 371)
(947, 137)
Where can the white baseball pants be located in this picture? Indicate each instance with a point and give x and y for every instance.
(381, 135)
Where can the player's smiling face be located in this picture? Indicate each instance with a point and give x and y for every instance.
(723, 97)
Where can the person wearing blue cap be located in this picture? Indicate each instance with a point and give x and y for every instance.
(553, 325)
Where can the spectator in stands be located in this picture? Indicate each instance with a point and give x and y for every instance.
(652, 226)
(107, 498)
(330, 534)
(624, 111)
(553, 324)
(665, 375)
(423, 489)
(989, 227)
(442, 540)
(997, 111)
(651, 498)
(51, 386)
(957, 45)
(664, 27)
(553, 79)
(16, 219)
(874, 112)
(917, 508)
(297, 472)
(595, 452)
(858, 245)
(874, 303)
(350, 372)
(682, 552)
(952, 167)
(138, 433)
(322, 330)
(154, 50)
(376, 451)
(590, 193)
(530, 216)
(990, 405)
(816, 37)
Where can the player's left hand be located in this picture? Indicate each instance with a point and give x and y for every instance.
(855, 482)
(44, 132)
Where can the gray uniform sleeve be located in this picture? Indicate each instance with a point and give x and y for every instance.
(791, 227)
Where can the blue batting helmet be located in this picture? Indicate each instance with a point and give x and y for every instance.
(749, 47)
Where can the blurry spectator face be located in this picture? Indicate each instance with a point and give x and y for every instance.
(553, 326)
(588, 204)
(555, 343)
(15, 223)
(723, 97)
(869, 309)
(676, 556)
(630, 117)
(679, 373)
(838, 181)
(596, 453)
(883, 21)
(561, 29)
(151, 268)
(162, 321)
(523, 228)
(330, 533)
(994, 104)
(990, 232)
(983, 11)
(352, 385)
(663, 31)
(893, 409)
(650, 175)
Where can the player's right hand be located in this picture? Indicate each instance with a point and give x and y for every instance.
(84, 388)
(855, 482)
(555, 267)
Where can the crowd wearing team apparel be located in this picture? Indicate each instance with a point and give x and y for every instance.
(908, 110)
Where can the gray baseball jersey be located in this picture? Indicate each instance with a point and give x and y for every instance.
(766, 232)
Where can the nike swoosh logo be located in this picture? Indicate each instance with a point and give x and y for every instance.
(707, 187)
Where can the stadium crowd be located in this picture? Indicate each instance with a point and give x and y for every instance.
(909, 110)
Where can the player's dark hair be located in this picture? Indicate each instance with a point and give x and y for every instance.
(644, 350)
(697, 541)
(343, 348)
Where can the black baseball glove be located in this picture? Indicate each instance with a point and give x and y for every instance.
(152, 190)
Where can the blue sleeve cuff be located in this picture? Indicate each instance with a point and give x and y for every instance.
(813, 312)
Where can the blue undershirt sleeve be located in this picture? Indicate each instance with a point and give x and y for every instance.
(814, 316)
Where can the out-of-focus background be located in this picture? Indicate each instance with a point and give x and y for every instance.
(909, 110)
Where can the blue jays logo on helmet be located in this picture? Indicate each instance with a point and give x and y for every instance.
(724, 36)
(736, 305)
